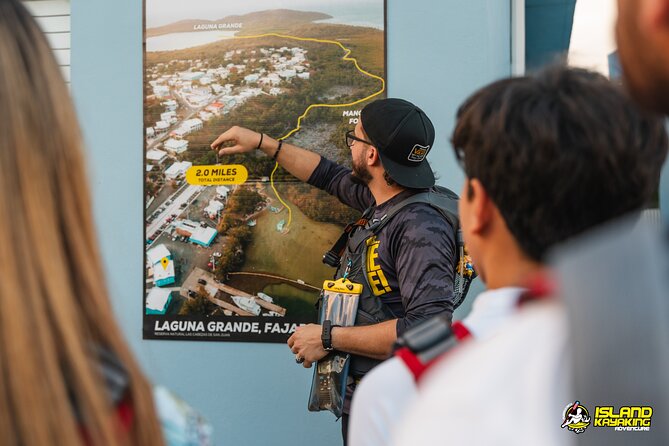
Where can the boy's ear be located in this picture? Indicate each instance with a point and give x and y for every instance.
(481, 206)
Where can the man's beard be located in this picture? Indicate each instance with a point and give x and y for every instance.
(360, 173)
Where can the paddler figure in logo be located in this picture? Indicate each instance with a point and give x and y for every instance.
(576, 418)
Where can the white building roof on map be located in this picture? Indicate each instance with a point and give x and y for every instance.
(190, 125)
(186, 225)
(287, 73)
(203, 236)
(191, 76)
(198, 99)
(214, 207)
(222, 191)
(193, 123)
(157, 253)
(178, 169)
(157, 299)
(156, 155)
(176, 145)
(163, 273)
(161, 90)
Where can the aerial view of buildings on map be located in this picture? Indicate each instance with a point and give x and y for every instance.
(250, 249)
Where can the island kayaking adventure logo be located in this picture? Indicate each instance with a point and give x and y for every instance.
(625, 419)
(576, 418)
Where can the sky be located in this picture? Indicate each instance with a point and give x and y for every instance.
(163, 12)
(592, 37)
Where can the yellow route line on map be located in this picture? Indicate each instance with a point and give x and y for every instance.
(312, 106)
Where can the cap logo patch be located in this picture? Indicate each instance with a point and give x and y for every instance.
(418, 153)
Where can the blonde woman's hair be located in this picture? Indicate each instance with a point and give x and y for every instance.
(54, 307)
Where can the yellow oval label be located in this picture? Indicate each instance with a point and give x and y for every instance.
(217, 175)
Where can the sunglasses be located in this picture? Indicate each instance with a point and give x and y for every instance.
(351, 138)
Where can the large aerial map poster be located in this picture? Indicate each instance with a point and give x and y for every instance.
(233, 246)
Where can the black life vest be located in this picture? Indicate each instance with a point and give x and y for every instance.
(349, 254)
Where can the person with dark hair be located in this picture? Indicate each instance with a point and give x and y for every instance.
(547, 158)
(406, 267)
(563, 151)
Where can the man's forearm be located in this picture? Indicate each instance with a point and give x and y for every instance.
(301, 163)
(374, 341)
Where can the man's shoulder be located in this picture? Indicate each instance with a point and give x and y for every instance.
(421, 219)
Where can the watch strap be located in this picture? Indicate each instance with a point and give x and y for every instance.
(326, 335)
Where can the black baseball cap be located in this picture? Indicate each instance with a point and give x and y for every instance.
(403, 135)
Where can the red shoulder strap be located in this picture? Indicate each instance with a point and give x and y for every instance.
(460, 331)
(413, 362)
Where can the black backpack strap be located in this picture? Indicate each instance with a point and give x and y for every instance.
(333, 256)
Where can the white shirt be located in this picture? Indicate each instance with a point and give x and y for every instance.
(511, 389)
(383, 394)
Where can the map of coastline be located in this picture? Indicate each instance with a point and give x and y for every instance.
(282, 74)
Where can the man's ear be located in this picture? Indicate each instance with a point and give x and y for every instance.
(481, 206)
(372, 156)
(654, 14)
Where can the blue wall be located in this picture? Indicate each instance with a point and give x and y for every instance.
(439, 51)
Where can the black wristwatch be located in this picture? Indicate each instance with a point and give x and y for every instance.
(326, 335)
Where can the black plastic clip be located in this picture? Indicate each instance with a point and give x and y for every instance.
(332, 259)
